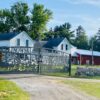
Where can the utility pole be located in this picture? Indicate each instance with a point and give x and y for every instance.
(70, 60)
(92, 53)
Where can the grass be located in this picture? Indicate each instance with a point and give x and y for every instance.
(63, 74)
(10, 91)
(16, 68)
(91, 88)
(73, 71)
(57, 74)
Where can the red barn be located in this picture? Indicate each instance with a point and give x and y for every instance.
(86, 57)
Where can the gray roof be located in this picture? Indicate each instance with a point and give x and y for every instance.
(53, 42)
(8, 36)
(87, 52)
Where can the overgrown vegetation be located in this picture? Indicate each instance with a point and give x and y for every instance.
(18, 69)
(10, 91)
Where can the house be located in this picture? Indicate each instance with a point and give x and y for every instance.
(16, 39)
(59, 44)
(80, 56)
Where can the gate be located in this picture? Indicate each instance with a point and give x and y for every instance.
(28, 59)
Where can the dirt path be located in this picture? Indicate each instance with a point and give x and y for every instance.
(46, 88)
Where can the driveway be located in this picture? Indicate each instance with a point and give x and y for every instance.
(46, 87)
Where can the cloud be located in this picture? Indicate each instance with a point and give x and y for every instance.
(91, 2)
(90, 24)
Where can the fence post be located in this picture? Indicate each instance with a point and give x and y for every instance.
(69, 64)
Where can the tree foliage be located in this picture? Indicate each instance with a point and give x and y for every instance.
(96, 41)
(63, 30)
(5, 19)
(17, 18)
(39, 19)
(81, 40)
(20, 18)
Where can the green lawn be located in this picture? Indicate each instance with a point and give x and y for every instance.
(73, 71)
(63, 74)
(91, 88)
(10, 91)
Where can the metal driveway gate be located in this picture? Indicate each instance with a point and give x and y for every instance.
(28, 59)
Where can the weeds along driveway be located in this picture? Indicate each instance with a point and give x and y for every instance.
(46, 87)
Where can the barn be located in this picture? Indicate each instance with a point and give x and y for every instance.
(82, 57)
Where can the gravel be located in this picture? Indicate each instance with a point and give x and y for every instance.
(46, 87)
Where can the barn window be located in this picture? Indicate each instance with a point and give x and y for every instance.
(66, 47)
(18, 42)
(62, 47)
(27, 43)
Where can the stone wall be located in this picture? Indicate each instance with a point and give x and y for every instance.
(88, 71)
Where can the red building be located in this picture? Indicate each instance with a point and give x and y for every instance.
(86, 57)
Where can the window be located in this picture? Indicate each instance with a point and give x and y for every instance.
(66, 47)
(62, 47)
(18, 42)
(27, 43)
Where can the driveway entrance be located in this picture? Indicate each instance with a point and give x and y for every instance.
(46, 87)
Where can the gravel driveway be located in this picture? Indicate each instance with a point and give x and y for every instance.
(46, 87)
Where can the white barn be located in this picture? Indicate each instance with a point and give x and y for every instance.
(16, 39)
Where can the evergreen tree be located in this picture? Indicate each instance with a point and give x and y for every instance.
(63, 30)
(81, 40)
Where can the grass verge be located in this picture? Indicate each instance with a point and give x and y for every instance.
(91, 88)
(10, 91)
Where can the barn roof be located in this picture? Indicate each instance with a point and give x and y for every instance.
(54, 42)
(87, 52)
(8, 36)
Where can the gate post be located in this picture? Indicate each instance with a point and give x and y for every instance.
(69, 64)
(39, 56)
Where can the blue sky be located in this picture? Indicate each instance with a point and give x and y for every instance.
(76, 12)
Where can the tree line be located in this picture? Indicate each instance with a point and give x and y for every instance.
(21, 18)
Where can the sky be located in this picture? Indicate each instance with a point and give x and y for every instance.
(76, 12)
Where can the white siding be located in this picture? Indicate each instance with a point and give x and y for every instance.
(64, 42)
(23, 37)
(4, 43)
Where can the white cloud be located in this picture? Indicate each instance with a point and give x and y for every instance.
(90, 24)
(91, 2)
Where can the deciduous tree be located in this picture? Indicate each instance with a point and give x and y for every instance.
(39, 20)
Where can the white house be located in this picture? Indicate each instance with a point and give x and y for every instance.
(60, 44)
(16, 39)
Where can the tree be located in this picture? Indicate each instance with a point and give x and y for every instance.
(96, 41)
(5, 16)
(39, 19)
(14, 19)
(20, 18)
(81, 40)
(63, 30)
